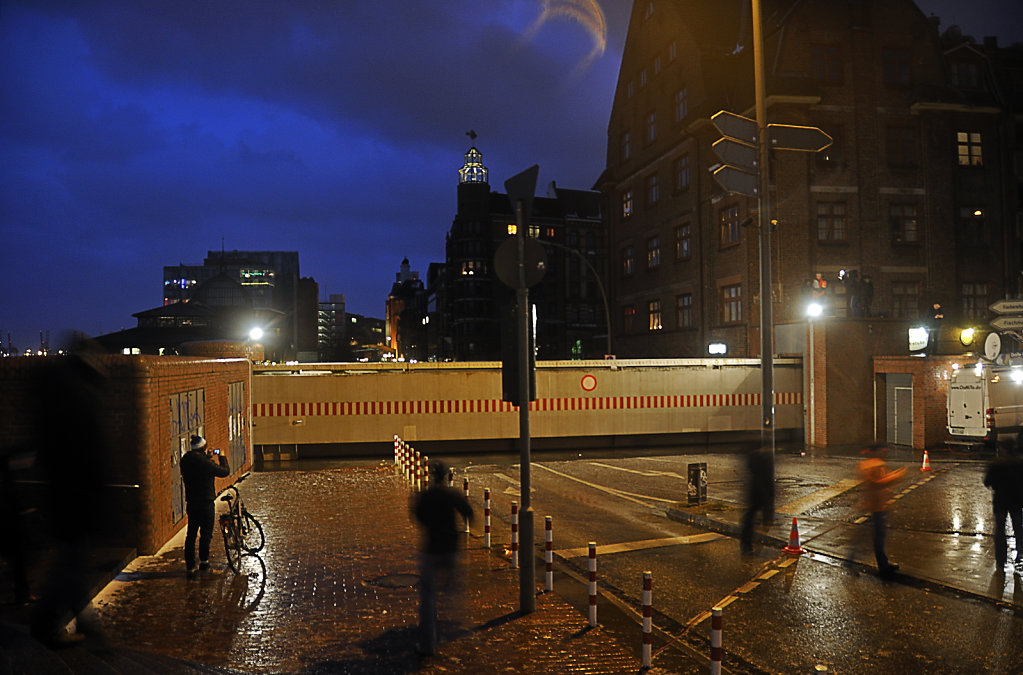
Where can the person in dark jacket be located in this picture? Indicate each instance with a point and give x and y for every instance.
(1005, 478)
(435, 509)
(198, 471)
(759, 495)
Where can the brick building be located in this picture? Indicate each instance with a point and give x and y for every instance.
(920, 190)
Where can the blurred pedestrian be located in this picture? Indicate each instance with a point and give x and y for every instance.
(876, 500)
(435, 509)
(198, 471)
(759, 495)
(72, 460)
(1005, 478)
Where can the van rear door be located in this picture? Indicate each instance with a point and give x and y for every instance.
(966, 401)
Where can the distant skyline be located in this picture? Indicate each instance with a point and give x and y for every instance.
(143, 134)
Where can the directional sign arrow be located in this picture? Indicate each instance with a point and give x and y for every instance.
(1007, 307)
(735, 180)
(735, 126)
(791, 137)
(1007, 323)
(736, 153)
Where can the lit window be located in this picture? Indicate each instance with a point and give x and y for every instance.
(654, 315)
(731, 304)
(653, 253)
(627, 261)
(683, 242)
(627, 203)
(729, 221)
(831, 221)
(629, 319)
(969, 146)
(513, 228)
(534, 231)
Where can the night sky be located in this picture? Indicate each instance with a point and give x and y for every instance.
(139, 134)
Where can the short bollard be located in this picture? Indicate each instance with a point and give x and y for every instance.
(419, 472)
(397, 444)
(548, 552)
(515, 534)
(716, 651)
(426, 471)
(593, 583)
(465, 489)
(648, 618)
(451, 478)
(486, 517)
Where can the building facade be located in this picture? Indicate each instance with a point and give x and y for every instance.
(474, 307)
(919, 194)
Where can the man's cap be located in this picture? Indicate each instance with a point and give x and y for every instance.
(198, 443)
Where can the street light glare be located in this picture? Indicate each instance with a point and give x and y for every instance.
(814, 309)
(256, 333)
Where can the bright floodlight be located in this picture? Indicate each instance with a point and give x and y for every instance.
(814, 309)
(717, 348)
(966, 337)
(256, 333)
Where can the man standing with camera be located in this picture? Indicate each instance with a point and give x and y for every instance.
(198, 471)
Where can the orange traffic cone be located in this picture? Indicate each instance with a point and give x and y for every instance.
(794, 546)
(927, 463)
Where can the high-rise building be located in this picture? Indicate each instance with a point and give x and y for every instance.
(568, 302)
(916, 202)
(331, 333)
(271, 279)
(406, 314)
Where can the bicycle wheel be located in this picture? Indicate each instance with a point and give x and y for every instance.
(252, 539)
(232, 545)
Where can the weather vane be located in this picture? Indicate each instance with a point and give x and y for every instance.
(471, 134)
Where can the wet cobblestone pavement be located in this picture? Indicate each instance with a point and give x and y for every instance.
(333, 592)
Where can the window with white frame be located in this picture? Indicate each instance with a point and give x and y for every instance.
(654, 315)
(731, 304)
(969, 147)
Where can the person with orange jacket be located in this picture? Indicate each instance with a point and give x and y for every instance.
(876, 500)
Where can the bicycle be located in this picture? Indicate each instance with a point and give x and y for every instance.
(240, 529)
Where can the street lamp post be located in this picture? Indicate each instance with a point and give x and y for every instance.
(813, 311)
(600, 285)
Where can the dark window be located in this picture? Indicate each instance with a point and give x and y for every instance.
(905, 300)
(653, 253)
(731, 304)
(971, 227)
(653, 191)
(826, 63)
(895, 67)
(831, 221)
(684, 310)
(901, 146)
(905, 226)
(965, 75)
(682, 173)
(627, 261)
(975, 300)
(629, 319)
(683, 242)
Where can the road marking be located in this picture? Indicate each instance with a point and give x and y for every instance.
(785, 563)
(641, 545)
(747, 587)
(649, 474)
(817, 498)
(610, 491)
(767, 575)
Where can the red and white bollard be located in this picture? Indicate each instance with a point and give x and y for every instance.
(515, 534)
(465, 489)
(426, 470)
(397, 443)
(716, 651)
(486, 517)
(593, 583)
(548, 552)
(451, 478)
(648, 618)
(419, 472)
(406, 461)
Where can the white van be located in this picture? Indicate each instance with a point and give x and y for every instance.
(985, 404)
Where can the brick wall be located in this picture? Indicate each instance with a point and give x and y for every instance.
(136, 402)
(930, 394)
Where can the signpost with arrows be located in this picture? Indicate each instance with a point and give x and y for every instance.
(1010, 315)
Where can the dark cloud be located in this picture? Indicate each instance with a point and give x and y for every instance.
(140, 134)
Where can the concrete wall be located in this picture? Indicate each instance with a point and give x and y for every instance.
(363, 403)
(135, 405)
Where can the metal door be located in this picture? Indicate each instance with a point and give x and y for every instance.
(187, 417)
(899, 409)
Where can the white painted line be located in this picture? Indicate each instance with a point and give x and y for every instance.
(641, 545)
(610, 491)
(819, 497)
